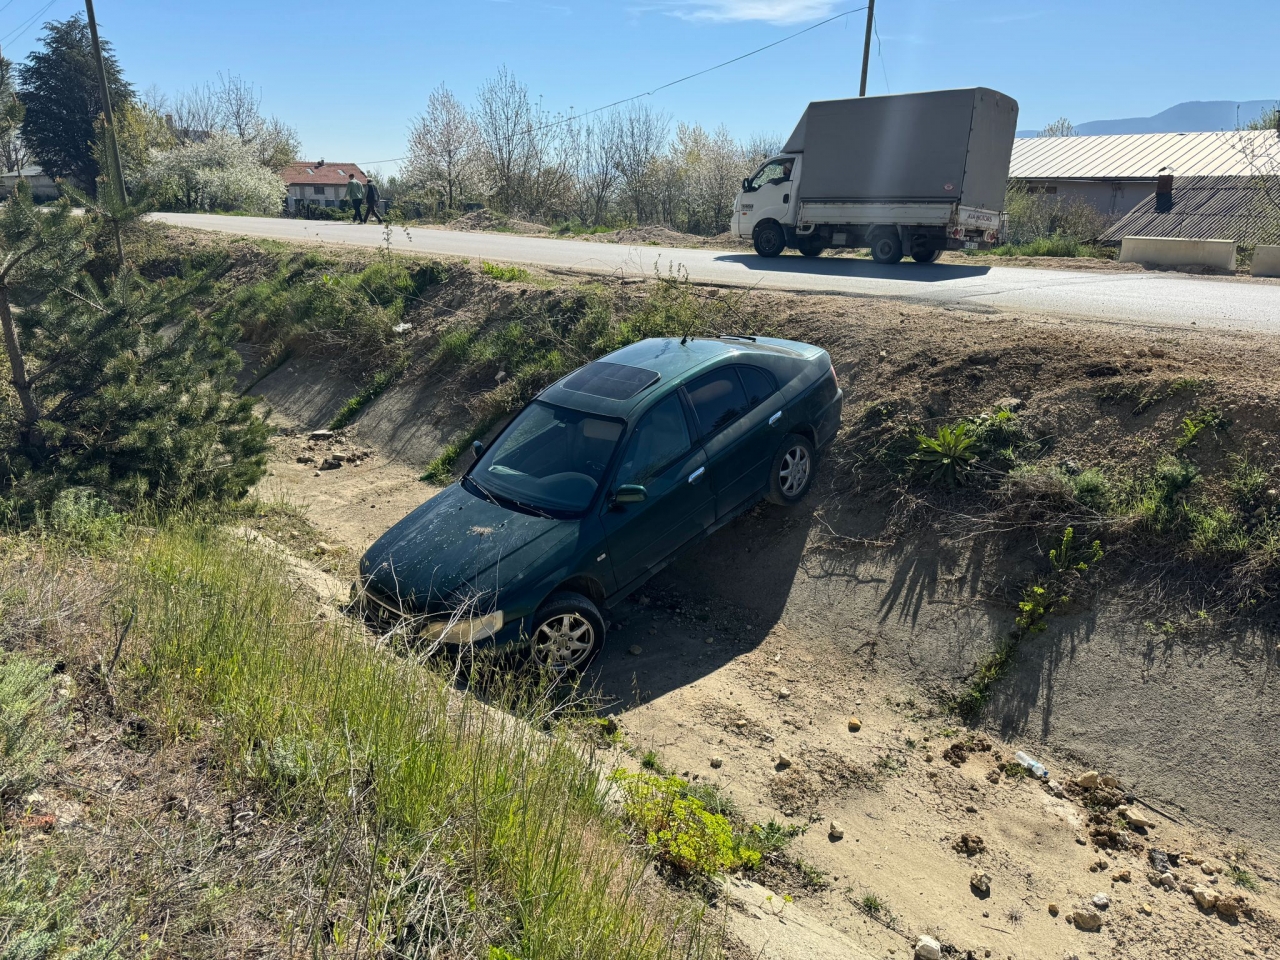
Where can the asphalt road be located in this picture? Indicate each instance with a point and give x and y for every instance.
(1144, 298)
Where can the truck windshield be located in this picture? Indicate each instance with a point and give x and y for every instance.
(550, 459)
(775, 171)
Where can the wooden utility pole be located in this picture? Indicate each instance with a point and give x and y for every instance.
(115, 168)
(866, 46)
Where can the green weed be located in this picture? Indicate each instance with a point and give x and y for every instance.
(27, 734)
(370, 392)
(946, 458)
(1067, 557)
(1243, 878)
(511, 274)
(1194, 424)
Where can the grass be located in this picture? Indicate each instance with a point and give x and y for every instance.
(1243, 878)
(872, 905)
(511, 274)
(1054, 246)
(443, 806)
(27, 733)
(370, 392)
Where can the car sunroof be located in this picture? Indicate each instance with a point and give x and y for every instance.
(613, 381)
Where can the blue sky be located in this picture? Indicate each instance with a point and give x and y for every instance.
(350, 77)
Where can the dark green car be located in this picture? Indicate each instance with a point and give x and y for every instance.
(596, 486)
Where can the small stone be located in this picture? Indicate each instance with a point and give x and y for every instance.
(709, 640)
(329, 463)
(717, 763)
(323, 547)
(928, 948)
(1207, 869)
(739, 724)
(1229, 908)
(980, 882)
(1053, 909)
(1110, 782)
(971, 809)
(321, 435)
(1121, 876)
(1101, 901)
(782, 761)
(316, 473)
(634, 650)
(306, 458)
(854, 724)
(1146, 908)
(1012, 404)
(1206, 898)
(1089, 781)
(1087, 920)
(783, 693)
(969, 844)
(1168, 881)
(835, 831)
(1135, 818)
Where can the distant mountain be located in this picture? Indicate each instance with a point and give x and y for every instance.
(1194, 116)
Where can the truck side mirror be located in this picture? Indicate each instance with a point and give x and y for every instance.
(746, 184)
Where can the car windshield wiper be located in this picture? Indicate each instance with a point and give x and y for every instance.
(499, 499)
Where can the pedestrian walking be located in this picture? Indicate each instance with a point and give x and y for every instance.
(355, 195)
(371, 201)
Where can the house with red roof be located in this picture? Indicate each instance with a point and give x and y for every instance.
(320, 182)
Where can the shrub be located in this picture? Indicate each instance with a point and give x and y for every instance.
(1092, 489)
(679, 830)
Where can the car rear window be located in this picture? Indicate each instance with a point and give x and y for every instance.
(718, 399)
(758, 383)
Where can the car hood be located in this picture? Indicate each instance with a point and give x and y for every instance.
(458, 546)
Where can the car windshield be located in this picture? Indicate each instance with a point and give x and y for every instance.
(550, 459)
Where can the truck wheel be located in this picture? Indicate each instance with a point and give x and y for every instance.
(568, 632)
(886, 248)
(769, 240)
(810, 246)
(791, 474)
(926, 256)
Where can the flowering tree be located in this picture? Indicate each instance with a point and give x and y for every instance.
(218, 173)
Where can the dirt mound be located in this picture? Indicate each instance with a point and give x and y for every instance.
(488, 221)
(666, 237)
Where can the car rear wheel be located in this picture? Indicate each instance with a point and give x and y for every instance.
(793, 468)
(769, 240)
(886, 247)
(568, 631)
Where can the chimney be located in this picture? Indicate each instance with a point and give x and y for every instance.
(1164, 184)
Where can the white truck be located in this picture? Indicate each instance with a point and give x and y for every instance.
(912, 173)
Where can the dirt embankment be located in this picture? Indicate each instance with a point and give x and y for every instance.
(877, 598)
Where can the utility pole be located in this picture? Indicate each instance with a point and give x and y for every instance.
(116, 169)
(866, 45)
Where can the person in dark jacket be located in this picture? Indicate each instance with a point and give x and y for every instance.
(370, 201)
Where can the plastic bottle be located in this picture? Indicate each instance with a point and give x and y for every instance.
(1032, 766)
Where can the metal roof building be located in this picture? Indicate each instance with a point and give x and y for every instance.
(1205, 208)
(1116, 173)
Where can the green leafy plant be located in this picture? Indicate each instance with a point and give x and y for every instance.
(1068, 557)
(1194, 424)
(679, 830)
(947, 457)
(506, 274)
(771, 837)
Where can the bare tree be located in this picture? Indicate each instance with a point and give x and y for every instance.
(196, 113)
(443, 145)
(596, 174)
(1059, 128)
(233, 105)
(642, 135)
(504, 119)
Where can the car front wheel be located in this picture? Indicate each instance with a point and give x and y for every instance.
(568, 632)
(793, 468)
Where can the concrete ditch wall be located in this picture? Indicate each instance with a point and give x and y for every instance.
(1173, 252)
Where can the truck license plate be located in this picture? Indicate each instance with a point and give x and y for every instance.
(971, 244)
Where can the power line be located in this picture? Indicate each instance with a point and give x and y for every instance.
(665, 86)
(26, 24)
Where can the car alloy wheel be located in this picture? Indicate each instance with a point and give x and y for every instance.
(564, 642)
(793, 476)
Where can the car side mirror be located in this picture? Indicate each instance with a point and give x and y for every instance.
(630, 493)
(477, 448)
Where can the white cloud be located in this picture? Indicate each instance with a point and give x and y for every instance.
(770, 11)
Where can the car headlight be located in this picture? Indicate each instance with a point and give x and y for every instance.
(463, 629)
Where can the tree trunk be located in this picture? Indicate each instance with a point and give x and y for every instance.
(29, 428)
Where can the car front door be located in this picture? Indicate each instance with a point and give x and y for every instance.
(734, 408)
(679, 505)
(768, 196)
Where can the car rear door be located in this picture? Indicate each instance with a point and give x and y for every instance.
(661, 454)
(733, 407)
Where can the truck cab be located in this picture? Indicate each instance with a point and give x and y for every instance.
(767, 195)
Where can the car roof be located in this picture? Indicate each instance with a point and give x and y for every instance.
(672, 360)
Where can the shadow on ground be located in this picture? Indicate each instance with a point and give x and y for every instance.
(907, 270)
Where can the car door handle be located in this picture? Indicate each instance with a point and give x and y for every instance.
(775, 418)
(697, 474)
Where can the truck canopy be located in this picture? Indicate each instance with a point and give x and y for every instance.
(946, 145)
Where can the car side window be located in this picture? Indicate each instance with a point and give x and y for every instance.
(660, 438)
(759, 385)
(718, 399)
